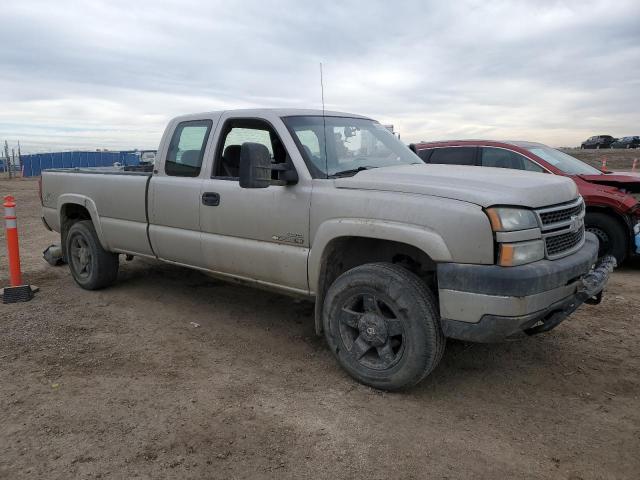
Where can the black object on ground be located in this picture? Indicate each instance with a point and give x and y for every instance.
(53, 255)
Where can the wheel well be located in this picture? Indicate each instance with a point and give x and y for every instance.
(613, 214)
(71, 213)
(345, 253)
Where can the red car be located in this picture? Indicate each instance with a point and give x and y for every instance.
(612, 199)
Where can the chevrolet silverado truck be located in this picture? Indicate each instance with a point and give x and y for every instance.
(396, 254)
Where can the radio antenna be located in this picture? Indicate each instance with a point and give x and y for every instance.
(324, 124)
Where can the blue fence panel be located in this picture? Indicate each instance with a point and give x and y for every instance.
(33, 164)
(129, 158)
(26, 166)
(56, 160)
(30, 162)
(46, 161)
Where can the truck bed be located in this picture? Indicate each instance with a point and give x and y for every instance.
(116, 198)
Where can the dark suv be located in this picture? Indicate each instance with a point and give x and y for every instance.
(613, 200)
(627, 142)
(598, 141)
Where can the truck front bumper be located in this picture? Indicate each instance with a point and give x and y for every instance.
(488, 303)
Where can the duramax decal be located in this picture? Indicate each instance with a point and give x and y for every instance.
(296, 238)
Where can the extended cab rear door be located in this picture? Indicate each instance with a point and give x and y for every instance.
(174, 190)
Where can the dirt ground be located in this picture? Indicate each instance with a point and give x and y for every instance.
(120, 384)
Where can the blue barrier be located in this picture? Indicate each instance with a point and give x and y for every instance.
(32, 165)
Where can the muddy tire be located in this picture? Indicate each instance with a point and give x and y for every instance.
(382, 324)
(611, 235)
(92, 267)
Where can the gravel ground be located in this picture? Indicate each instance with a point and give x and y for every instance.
(121, 384)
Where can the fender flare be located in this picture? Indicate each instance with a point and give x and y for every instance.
(89, 204)
(423, 238)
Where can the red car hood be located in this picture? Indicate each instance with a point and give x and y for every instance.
(629, 181)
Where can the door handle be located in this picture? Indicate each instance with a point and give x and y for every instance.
(211, 199)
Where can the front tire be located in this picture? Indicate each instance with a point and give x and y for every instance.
(382, 324)
(610, 233)
(92, 267)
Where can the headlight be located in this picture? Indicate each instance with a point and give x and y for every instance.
(505, 219)
(512, 254)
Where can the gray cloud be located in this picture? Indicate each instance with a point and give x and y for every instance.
(110, 74)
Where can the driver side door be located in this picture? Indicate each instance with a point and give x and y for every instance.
(259, 234)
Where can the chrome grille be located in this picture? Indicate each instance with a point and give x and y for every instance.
(556, 216)
(561, 243)
(562, 228)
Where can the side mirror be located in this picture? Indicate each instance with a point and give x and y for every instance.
(255, 166)
(285, 172)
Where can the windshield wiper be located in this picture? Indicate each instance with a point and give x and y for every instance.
(351, 171)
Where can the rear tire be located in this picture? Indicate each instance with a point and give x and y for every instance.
(610, 233)
(382, 324)
(92, 267)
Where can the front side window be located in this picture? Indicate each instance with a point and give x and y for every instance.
(186, 150)
(239, 135)
(235, 133)
(338, 146)
(501, 158)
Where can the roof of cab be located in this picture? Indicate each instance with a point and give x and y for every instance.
(271, 112)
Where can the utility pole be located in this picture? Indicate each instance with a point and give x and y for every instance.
(13, 155)
(8, 159)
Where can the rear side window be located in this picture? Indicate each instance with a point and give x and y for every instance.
(501, 158)
(186, 150)
(454, 156)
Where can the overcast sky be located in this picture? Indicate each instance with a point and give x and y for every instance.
(93, 74)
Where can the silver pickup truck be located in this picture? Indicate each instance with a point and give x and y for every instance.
(398, 255)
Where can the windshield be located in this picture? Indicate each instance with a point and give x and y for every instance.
(568, 164)
(346, 145)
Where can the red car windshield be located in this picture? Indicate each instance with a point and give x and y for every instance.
(566, 163)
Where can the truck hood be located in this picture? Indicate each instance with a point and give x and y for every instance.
(480, 185)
